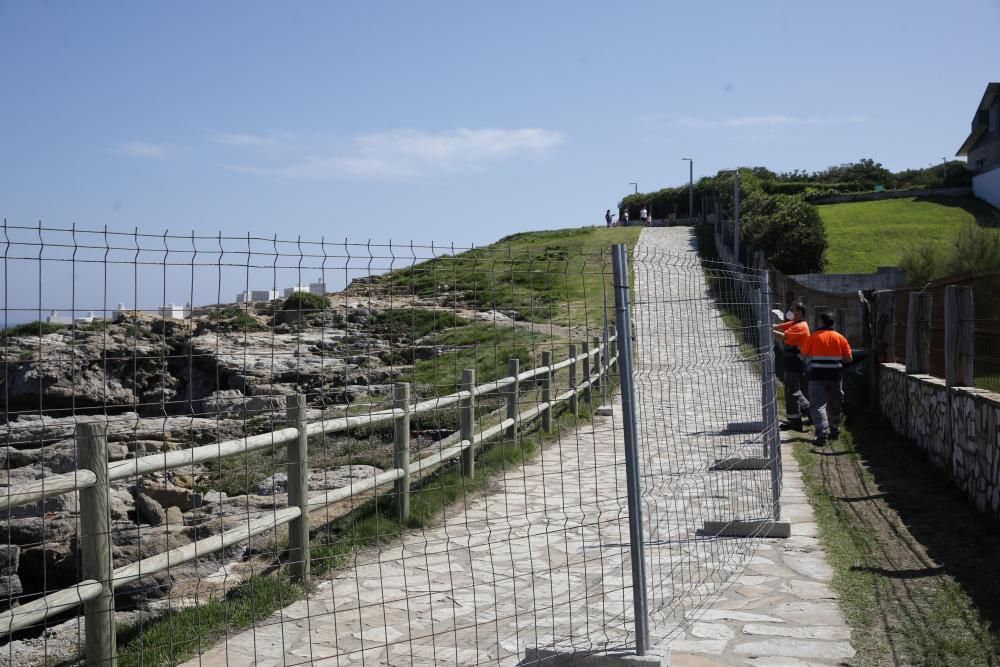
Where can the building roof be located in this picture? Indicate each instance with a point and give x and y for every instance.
(992, 90)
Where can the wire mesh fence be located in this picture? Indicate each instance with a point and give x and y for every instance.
(344, 453)
(707, 415)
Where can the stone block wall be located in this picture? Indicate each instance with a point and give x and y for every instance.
(958, 427)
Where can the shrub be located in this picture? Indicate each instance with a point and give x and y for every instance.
(35, 328)
(923, 263)
(788, 229)
(974, 250)
(305, 302)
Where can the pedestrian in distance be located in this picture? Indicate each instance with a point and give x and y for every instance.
(792, 333)
(608, 217)
(642, 216)
(624, 218)
(826, 351)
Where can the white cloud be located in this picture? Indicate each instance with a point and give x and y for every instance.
(767, 120)
(237, 139)
(399, 154)
(144, 149)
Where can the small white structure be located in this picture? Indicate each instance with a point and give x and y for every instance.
(173, 311)
(297, 288)
(318, 287)
(88, 318)
(55, 318)
(257, 296)
(120, 312)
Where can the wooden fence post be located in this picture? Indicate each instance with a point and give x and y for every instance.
(959, 327)
(95, 528)
(401, 449)
(513, 370)
(951, 327)
(547, 391)
(587, 393)
(467, 420)
(574, 403)
(298, 490)
(925, 332)
(912, 333)
(966, 337)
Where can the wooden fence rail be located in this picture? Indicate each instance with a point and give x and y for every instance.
(96, 593)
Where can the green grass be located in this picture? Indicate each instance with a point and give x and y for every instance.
(543, 276)
(172, 639)
(33, 329)
(914, 563)
(481, 346)
(863, 236)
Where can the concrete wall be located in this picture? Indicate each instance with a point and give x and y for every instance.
(957, 427)
(987, 186)
(886, 277)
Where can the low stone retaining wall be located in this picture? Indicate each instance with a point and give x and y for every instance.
(958, 427)
(893, 194)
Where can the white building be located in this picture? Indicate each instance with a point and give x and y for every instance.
(55, 318)
(318, 287)
(257, 296)
(297, 288)
(982, 147)
(173, 311)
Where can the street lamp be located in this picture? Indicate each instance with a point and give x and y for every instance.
(636, 187)
(690, 162)
(944, 161)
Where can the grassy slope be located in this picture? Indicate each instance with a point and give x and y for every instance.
(865, 235)
(545, 276)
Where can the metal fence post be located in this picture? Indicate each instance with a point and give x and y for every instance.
(623, 324)
(467, 420)
(298, 490)
(587, 393)
(912, 333)
(513, 370)
(770, 433)
(597, 367)
(401, 449)
(547, 392)
(95, 528)
(574, 403)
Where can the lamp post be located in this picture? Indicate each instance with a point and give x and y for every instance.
(944, 161)
(636, 187)
(690, 162)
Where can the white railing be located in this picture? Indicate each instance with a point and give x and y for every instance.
(92, 480)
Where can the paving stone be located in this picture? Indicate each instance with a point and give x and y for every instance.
(796, 648)
(828, 632)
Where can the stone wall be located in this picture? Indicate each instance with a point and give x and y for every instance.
(957, 427)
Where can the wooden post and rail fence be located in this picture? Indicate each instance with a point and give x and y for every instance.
(93, 479)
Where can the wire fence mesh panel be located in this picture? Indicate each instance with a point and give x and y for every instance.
(706, 439)
(307, 452)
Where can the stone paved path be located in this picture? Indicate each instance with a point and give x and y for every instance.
(543, 561)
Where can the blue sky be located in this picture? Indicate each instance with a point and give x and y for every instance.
(457, 121)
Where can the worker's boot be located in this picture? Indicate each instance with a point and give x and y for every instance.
(794, 424)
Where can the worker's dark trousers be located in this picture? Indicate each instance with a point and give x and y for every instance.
(827, 397)
(796, 403)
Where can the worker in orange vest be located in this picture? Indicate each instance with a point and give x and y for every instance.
(826, 352)
(792, 333)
